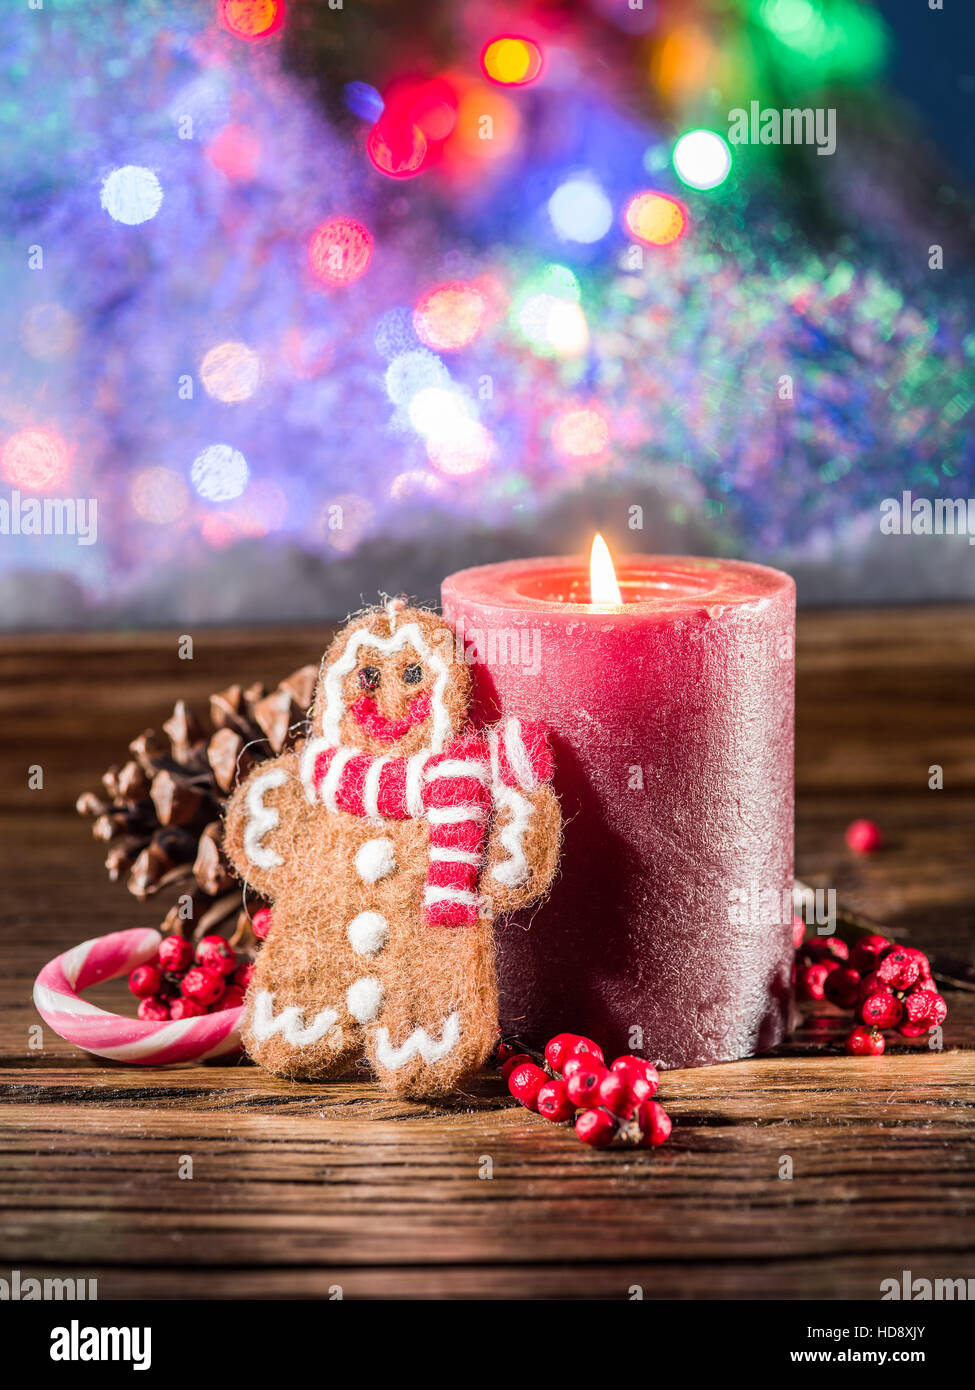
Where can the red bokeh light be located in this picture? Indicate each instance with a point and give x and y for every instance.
(251, 19)
(450, 316)
(235, 152)
(433, 107)
(339, 251)
(397, 147)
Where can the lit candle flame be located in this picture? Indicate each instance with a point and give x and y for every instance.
(603, 587)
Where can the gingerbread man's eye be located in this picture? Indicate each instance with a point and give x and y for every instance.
(413, 674)
(369, 677)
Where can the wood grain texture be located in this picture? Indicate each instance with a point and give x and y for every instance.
(298, 1189)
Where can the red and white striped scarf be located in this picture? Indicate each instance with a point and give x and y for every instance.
(454, 791)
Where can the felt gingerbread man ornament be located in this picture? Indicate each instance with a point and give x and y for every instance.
(388, 842)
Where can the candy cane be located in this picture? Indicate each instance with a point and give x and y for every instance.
(144, 1042)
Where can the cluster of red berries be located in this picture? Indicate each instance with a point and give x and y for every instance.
(185, 982)
(610, 1105)
(886, 986)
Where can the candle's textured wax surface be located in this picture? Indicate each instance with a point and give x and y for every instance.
(668, 931)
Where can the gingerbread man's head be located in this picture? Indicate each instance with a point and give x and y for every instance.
(391, 683)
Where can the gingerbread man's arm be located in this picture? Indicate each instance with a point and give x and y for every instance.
(523, 850)
(264, 820)
(526, 832)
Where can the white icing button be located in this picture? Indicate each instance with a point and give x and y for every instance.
(375, 860)
(368, 933)
(363, 998)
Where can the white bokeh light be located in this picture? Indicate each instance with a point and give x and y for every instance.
(702, 159)
(219, 473)
(580, 211)
(132, 194)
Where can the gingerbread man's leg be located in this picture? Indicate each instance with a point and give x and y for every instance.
(439, 1017)
(298, 1022)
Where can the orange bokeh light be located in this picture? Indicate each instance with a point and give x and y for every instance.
(450, 316)
(339, 251)
(488, 129)
(655, 219)
(511, 61)
(251, 19)
(35, 458)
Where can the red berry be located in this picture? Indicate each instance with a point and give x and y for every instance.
(882, 1009)
(798, 932)
(867, 952)
(811, 979)
(560, 1047)
(216, 954)
(261, 922)
(615, 1093)
(843, 987)
(575, 1061)
(913, 1030)
(588, 1050)
(512, 1062)
(502, 1052)
(655, 1123)
(865, 1042)
(821, 948)
(938, 1012)
(642, 1075)
(596, 1127)
(898, 969)
(185, 1008)
(232, 998)
(583, 1085)
(869, 984)
(925, 1006)
(525, 1082)
(244, 974)
(202, 985)
(863, 836)
(175, 953)
(145, 981)
(153, 1010)
(553, 1101)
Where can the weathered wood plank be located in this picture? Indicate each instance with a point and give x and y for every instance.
(296, 1188)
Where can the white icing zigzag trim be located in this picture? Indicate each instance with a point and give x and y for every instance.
(309, 758)
(410, 635)
(513, 871)
(419, 1043)
(261, 819)
(290, 1022)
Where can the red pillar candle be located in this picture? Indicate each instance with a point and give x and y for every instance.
(668, 931)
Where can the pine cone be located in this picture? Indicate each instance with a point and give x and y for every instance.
(161, 811)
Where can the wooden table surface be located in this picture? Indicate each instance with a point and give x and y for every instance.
(298, 1188)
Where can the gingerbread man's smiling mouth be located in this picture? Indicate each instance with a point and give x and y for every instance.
(369, 717)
